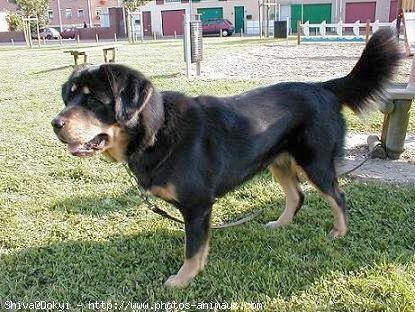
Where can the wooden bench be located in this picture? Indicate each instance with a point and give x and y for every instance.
(395, 124)
(85, 51)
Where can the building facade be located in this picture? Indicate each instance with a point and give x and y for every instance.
(165, 17)
(74, 13)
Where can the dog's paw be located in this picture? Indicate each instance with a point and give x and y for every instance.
(176, 281)
(335, 233)
(275, 224)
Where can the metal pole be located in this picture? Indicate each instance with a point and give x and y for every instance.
(260, 20)
(141, 26)
(59, 15)
(124, 21)
(398, 19)
(89, 13)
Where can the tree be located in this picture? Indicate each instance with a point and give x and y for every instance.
(132, 6)
(14, 20)
(34, 8)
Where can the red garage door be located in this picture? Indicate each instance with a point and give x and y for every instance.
(172, 22)
(392, 11)
(360, 11)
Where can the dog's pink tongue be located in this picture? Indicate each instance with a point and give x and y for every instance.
(74, 148)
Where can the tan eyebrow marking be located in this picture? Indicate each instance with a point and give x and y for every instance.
(86, 90)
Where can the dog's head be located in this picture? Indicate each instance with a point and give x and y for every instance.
(101, 104)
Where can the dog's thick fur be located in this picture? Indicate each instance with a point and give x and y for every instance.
(191, 150)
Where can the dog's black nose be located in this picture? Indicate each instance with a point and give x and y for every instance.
(58, 123)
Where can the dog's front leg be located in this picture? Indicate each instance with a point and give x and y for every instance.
(197, 226)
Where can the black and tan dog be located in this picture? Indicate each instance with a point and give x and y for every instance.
(191, 150)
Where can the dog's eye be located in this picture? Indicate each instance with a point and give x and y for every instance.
(94, 104)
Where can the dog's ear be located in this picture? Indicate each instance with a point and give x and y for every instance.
(131, 99)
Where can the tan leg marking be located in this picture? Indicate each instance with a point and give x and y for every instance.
(284, 171)
(340, 227)
(190, 268)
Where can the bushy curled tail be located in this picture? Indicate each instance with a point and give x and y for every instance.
(364, 85)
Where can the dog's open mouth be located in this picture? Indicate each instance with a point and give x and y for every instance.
(89, 148)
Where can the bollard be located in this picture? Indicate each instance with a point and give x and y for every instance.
(115, 37)
(12, 42)
(77, 39)
(175, 35)
(44, 41)
(242, 32)
(220, 34)
(96, 38)
(298, 32)
(60, 40)
(154, 36)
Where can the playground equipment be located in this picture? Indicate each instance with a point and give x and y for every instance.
(324, 31)
(396, 119)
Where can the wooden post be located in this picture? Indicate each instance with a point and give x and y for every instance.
(298, 32)
(38, 32)
(398, 124)
(96, 38)
(367, 30)
(105, 55)
(29, 34)
(77, 39)
(115, 37)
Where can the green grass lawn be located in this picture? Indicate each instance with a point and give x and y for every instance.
(74, 230)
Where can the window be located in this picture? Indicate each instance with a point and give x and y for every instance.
(171, 1)
(81, 13)
(68, 13)
(50, 14)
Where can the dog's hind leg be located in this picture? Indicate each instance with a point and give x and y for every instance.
(322, 174)
(283, 169)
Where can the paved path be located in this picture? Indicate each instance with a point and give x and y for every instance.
(384, 171)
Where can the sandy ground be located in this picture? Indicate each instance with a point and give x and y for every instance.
(315, 62)
(288, 62)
